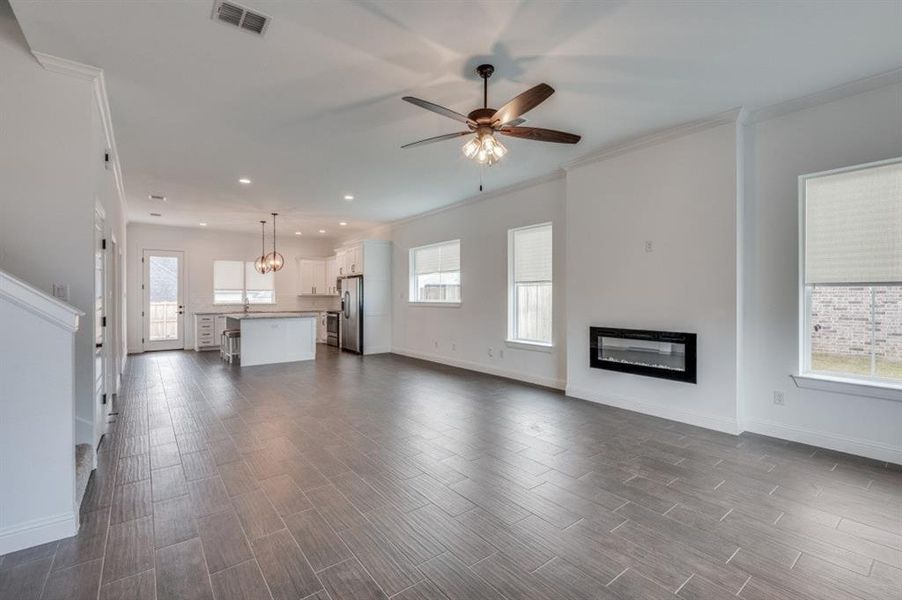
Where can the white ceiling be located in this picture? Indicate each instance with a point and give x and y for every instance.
(313, 110)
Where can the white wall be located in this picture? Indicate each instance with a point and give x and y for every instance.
(680, 195)
(51, 152)
(854, 130)
(463, 335)
(201, 248)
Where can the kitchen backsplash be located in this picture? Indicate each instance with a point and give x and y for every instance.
(202, 304)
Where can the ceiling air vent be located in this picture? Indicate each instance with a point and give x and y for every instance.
(239, 16)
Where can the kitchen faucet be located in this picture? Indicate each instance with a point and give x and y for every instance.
(247, 305)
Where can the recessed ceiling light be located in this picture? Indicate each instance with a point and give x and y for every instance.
(159, 197)
(202, 224)
(244, 180)
(343, 224)
(156, 215)
(298, 233)
(349, 197)
(322, 231)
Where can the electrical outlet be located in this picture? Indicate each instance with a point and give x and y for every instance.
(501, 353)
(453, 347)
(649, 246)
(435, 343)
(779, 400)
(490, 353)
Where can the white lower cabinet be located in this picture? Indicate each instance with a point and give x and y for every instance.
(205, 337)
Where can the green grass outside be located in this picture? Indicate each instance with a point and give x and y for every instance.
(855, 365)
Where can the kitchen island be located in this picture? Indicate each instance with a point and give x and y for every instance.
(273, 337)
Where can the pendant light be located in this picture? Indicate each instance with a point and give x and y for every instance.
(274, 260)
(260, 264)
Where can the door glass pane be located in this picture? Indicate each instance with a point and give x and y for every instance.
(163, 277)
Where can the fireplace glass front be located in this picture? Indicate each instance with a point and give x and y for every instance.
(665, 354)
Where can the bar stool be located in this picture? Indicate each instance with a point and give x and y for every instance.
(230, 344)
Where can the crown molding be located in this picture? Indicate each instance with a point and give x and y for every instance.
(38, 302)
(67, 67)
(93, 74)
(632, 143)
(851, 88)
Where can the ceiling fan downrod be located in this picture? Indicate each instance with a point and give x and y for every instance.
(485, 71)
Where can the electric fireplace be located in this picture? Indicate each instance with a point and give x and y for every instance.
(665, 354)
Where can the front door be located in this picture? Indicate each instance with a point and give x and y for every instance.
(164, 308)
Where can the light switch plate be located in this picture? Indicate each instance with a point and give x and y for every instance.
(61, 291)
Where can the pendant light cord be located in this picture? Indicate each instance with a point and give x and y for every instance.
(274, 215)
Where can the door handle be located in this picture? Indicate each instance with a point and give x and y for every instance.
(346, 301)
(98, 345)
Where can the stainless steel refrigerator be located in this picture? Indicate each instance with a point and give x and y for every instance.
(352, 313)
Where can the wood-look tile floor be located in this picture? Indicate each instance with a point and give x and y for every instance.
(388, 477)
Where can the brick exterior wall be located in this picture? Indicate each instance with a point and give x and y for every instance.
(843, 315)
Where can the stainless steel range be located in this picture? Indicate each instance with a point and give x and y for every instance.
(333, 328)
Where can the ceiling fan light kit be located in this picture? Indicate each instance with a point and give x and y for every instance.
(485, 122)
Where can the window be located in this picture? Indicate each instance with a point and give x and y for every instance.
(235, 280)
(435, 273)
(530, 284)
(851, 273)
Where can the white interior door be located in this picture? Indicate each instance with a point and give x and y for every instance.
(113, 313)
(101, 347)
(164, 306)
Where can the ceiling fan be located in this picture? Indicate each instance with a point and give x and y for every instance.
(485, 122)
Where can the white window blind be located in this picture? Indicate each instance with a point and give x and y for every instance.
(435, 273)
(228, 282)
(259, 289)
(853, 227)
(531, 284)
(236, 280)
(532, 254)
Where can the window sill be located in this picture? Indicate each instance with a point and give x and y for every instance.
(436, 304)
(854, 387)
(226, 304)
(533, 346)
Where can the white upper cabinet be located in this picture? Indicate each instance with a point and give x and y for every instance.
(349, 260)
(331, 283)
(356, 256)
(312, 277)
(343, 259)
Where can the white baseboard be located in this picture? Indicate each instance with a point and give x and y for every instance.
(377, 350)
(831, 441)
(714, 422)
(84, 431)
(475, 366)
(38, 531)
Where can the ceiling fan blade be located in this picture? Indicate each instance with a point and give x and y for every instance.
(523, 103)
(437, 138)
(447, 112)
(514, 123)
(541, 135)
